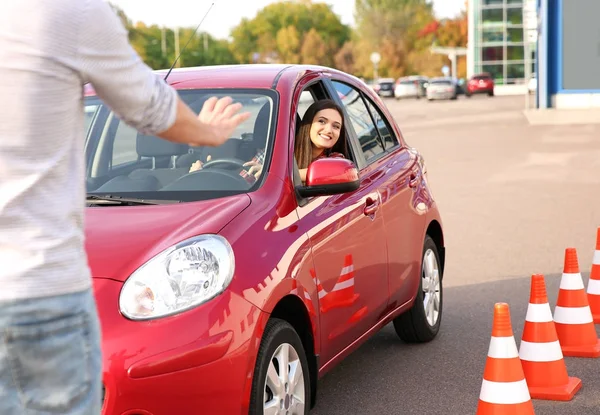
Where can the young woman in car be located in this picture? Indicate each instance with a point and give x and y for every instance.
(321, 134)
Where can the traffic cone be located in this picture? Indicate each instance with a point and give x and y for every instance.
(572, 315)
(593, 289)
(342, 294)
(504, 388)
(542, 359)
(320, 290)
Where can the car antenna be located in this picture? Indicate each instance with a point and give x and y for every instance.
(188, 42)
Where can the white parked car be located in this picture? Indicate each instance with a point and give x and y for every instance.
(441, 88)
(406, 88)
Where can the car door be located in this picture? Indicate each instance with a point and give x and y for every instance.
(349, 261)
(402, 213)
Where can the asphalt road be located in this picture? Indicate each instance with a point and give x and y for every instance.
(512, 197)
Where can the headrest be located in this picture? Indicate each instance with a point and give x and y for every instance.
(261, 126)
(151, 146)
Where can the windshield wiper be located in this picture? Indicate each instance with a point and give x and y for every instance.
(121, 201)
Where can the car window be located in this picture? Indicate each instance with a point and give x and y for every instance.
(385, 131)
(124, 161)
(306, 100)
(361, 121)
(124, 150)
(90, 112)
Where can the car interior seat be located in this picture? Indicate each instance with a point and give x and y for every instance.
(258, 140)
(153, 178)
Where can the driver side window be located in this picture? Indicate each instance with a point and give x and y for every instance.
(309, 105)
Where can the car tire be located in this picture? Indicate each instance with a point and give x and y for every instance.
(491, 93)
(279, 334)
(413, 326)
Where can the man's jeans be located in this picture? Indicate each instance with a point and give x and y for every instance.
(50, 358)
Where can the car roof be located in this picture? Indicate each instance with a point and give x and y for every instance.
(231, 76)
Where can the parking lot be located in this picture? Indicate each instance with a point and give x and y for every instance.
(513, 196)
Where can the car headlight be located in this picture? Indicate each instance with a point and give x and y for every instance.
(182, 277)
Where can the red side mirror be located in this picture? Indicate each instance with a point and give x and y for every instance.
(329, 176)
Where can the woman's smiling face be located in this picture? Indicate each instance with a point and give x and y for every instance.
(325, 129)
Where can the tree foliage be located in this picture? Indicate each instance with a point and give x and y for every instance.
(309, 32)
(290, 32)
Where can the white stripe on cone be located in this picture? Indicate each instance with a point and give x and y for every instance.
(504, 393)
(593, 287)
(540, 352)
(571, 282)
(596, 260)
(539, 313)
(344, 284)
(503, 348)
(347, 270)
(573, 315)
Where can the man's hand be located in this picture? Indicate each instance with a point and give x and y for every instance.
(216, 123)
(222, 117)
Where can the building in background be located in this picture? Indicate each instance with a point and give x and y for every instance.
(500, 40)
(557, 42)
(569, 61)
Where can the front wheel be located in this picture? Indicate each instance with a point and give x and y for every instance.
(281, 383)
(422, 322)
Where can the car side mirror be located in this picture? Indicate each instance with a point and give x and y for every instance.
(330, 176)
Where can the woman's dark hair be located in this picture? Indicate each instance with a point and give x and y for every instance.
(303, 144)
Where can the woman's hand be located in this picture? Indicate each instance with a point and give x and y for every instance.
(198, 164)
(255, 169)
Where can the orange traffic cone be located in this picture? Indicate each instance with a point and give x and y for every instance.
(320, 290)
(593, 289)
(572, 315)
(543, 363)
(342, 294)
(504, 388)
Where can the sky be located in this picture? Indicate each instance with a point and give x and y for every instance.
(226, 14)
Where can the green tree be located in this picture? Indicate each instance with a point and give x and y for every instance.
(288, 45)
(314, 49)
(392, 27)
(269, 34)
(345, 58)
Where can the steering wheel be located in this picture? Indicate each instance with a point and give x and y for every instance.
(226, 163)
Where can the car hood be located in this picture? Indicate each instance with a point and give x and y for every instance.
(121, 239)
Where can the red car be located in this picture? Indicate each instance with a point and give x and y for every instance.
(480, 84)
(219, 295)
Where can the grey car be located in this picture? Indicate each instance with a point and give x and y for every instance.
(441, 88)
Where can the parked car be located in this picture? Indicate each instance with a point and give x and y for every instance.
(224, 296)
(441, 88)
(460, 86)
(385, 87)
(406, 88)
(411, 87)
(480, 84)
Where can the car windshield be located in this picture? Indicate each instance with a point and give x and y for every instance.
(408, 82)
(125, 163)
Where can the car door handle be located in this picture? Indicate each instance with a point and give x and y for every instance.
(413, 181)
(371, 207)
